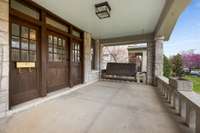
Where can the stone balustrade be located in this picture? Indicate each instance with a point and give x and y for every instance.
(185, 102)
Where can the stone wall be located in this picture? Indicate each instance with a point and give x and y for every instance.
(182, 99)
(90, 75)
(97, 56)
(159, 56)
(4, 56)
(150, 61)
(154, 59)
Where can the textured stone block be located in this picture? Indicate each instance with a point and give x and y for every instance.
(97, 57)
(0, 72)
(4, 83)
(5, 69)
(4, 38)
(4, 96)
(3, 107)
(150, 62)
(181, 85)
(1, 52)
(197, 130)
(5, 52)
(4, 9)
(4, 56)
(3, 25)
(158, 57)
(87, 47)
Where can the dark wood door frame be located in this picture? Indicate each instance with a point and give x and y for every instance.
(12, 64)
(44, 48)
(64, 64)
(42, 33)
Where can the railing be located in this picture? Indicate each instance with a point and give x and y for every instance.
(186, 103)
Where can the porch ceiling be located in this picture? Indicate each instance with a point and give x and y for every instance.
(128, 17)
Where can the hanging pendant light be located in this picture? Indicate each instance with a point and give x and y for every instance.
(102, 10)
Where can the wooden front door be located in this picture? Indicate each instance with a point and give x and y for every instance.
(58, 62)
(76, 62)
(24, 47)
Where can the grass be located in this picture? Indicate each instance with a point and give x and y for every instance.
(196, 69)
(196, 82)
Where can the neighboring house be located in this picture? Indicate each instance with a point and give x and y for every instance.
(138, 54)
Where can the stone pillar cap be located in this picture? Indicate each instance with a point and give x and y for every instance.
(159, 38)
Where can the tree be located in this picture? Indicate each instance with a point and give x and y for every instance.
(191, 59)
(117, 53)
(167, 67)
(177, 66)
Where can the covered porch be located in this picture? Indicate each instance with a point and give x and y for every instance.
(101, 107)
(50, 47)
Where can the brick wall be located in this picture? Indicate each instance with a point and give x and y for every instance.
(4, 56)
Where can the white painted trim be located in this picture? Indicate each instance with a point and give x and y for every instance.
(95, 71)
(38, 101)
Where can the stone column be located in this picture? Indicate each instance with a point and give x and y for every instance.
(179, 105)
(97, 56)
(197, 130)
(154, 59)
(159, 56)
(4, 57)
(100, 57)
(187, 115)
(144, 61)
(87, 56)
(150, 62)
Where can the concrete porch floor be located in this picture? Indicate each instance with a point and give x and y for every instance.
(102, 107)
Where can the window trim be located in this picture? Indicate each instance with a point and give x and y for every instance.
(21, 37)
(54, 53)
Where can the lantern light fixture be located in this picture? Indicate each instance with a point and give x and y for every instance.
(102, 10)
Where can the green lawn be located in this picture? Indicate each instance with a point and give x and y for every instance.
(196, 82)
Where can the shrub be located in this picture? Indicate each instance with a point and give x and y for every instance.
(167, 67)
(177, 66)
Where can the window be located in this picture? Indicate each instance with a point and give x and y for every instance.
(76, 52)
(93, 53)
(24, 9)
(23, 43)
(76, 33)
(57, 24)
(56, 49)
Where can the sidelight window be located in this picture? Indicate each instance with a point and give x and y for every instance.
(76, 52)
(56, 49)
(23, 43)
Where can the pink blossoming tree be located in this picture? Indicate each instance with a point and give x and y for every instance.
(191, 59)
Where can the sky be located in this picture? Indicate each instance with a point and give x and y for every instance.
(186, 34)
